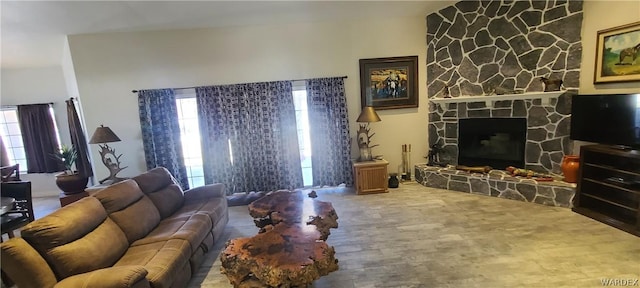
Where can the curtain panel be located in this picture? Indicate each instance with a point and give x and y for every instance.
(161, 133)
(39, 138)
(329, 129)
(4, 154)
(78, 140)
(249, 136)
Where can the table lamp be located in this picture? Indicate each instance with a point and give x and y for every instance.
(367, 115)
(102, 136)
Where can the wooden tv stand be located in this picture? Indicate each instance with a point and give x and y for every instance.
(609, 186)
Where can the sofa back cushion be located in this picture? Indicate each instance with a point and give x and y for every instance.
(162, 189)
(128, 207)
(77, 238)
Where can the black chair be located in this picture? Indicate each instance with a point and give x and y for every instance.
(10, 173)
(22, 212)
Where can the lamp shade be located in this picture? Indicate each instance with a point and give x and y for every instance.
(103, 135)
(368, 114)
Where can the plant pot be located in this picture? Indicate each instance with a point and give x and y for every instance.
(71, 184)
(570, 165)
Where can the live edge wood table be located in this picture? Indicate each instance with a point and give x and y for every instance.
(290, 249)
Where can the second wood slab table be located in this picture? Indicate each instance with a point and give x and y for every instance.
(290, 250)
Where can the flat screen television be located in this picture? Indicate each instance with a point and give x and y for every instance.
(612, 119)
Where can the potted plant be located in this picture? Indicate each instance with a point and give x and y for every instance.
(69, 181)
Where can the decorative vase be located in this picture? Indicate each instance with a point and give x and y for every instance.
(393, 180)
(570, 165)
(71, 184)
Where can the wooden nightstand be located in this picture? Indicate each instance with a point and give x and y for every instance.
(370, 176)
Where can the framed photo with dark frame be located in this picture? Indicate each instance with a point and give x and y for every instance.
(618, 54)
(389, 83)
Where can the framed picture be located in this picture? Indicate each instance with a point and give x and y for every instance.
(389, 83)
(618, 54)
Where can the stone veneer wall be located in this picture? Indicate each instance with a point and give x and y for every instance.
(477, 46)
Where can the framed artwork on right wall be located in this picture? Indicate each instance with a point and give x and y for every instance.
(618, 54)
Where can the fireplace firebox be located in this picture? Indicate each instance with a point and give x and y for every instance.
(495, 142)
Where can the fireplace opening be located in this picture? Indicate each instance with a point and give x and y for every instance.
(495, 142)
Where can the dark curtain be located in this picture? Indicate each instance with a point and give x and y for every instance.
(39, 137)
(249, 136)
(161, 133)
(78, 140)
(4, 154)
(329, 129)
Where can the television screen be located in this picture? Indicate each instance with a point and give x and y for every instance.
(607, 119)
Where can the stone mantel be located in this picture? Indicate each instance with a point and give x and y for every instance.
(490, 99)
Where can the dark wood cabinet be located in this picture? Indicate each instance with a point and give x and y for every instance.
(609, 186)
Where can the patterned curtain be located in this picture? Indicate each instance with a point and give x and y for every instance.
(161, 132)
(78, 140)
(39, 138)
(249, 136)
(329, 125)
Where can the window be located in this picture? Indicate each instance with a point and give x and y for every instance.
(304, 138)
(12, 137)
(190, 136)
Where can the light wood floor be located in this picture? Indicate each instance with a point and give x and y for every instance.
(416, 236)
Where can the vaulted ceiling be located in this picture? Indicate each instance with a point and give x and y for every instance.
(33, 33)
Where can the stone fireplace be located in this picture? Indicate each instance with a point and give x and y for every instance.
(546, 119)
(478, 48)
(547, 127)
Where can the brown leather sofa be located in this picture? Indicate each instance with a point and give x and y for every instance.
(141, 232)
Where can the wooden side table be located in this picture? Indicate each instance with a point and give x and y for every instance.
(370, 176)
(68, 199)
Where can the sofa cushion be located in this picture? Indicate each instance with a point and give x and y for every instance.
(25, 265)
(99, 249)
(154, 179)
(77, 238)
(112, 277)
(192, 230)
(163, 260)
(162, 189)
(65, 224)
(167, 199)
(212, 207)
(133, 211)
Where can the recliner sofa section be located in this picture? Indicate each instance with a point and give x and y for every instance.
(141, 232)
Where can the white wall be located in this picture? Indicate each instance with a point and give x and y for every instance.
(109, 66)
(599, 15)
(32, 86)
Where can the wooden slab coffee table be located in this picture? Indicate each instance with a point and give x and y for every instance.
(290, 250)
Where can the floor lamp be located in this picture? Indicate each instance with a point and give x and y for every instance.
(102, 136)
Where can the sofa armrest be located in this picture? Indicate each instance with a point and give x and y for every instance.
(206, 191)
(24, 265)
(112, 277)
